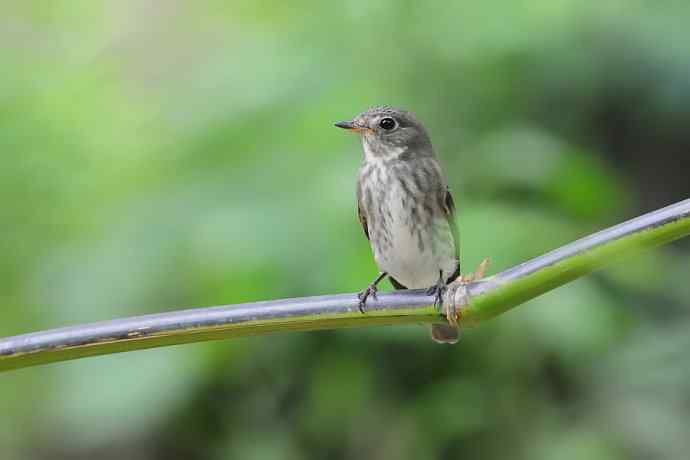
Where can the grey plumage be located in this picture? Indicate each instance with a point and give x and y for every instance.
(404, 205)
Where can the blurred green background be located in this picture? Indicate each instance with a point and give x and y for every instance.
(166, 154)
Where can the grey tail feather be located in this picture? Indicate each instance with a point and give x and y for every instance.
(445, 333)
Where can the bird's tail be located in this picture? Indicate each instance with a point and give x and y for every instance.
(445, 333)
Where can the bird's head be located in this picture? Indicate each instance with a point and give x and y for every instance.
(389, 132)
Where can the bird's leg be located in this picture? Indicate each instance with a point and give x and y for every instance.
(437, 290)
(370, 291)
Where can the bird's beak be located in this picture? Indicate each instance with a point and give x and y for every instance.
(349, 125)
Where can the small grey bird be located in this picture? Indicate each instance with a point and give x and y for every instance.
(405, 207)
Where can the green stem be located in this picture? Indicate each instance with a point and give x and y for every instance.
(510, 288)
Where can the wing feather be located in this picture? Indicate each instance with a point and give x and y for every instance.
(362, 217)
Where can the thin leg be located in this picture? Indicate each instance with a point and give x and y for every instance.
(438, 289)
(370, 291)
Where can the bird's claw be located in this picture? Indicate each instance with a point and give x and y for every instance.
(437, 291)
(364, 295)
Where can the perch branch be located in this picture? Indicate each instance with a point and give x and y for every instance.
(477, 301)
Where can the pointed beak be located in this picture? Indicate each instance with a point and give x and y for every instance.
(350, 125)
(345, 125)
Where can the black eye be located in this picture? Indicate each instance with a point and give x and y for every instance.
(387, 123)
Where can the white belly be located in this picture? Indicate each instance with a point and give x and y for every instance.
(421, 247)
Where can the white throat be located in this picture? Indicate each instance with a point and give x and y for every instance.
(372, 157)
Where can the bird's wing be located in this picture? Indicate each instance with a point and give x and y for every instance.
(362, 217)
(449, 209)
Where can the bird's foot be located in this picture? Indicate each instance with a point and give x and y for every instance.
(437, 290)
(371, 290)
(478, 273)
(444, 334)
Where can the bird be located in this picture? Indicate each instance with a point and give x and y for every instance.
(406, 209)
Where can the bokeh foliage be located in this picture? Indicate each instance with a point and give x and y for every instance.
(160, 155)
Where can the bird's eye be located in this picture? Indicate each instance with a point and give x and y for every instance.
(387, 123)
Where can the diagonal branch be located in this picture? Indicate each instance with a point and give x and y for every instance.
(477, 302)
